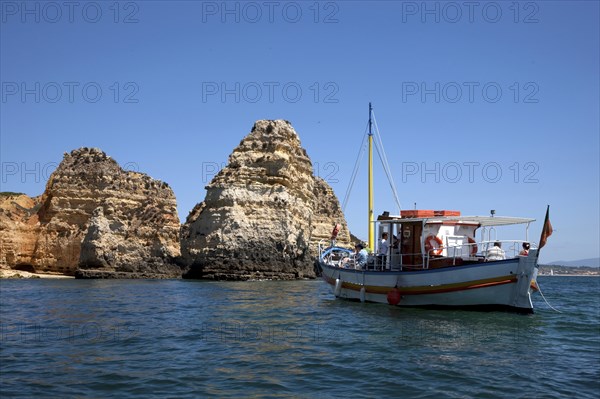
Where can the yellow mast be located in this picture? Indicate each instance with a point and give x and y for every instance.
(371, 220)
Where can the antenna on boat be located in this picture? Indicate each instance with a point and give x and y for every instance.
(371, 224)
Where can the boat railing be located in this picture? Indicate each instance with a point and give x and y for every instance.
(450, 255)
(511, 248)
(320, 248)
(477, 251)
(337, 256)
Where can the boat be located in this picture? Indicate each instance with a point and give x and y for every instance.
(436, 259)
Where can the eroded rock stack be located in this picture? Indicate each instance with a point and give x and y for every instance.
(264, 212)
(103, 221)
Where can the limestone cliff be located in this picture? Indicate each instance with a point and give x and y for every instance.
(327, 212)
(263, 213)
(18, 230)
(134, 231)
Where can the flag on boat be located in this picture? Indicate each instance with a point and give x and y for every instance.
(547, 230)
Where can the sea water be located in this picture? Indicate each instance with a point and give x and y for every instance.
(271, 339)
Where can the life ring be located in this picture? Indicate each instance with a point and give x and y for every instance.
(429, 247)
(474, 248)
(336, 230)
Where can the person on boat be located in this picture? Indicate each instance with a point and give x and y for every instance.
(383, 250)
(496, 253)
(525, 250)
(359, 260)
(361, 256)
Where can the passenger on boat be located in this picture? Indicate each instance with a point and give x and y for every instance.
(525, 251)
(361, 256)
(384, 247)
(359, 260)
(496, 253)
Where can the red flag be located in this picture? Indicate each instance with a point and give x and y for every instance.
(547, 230)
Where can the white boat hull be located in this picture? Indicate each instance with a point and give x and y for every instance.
(497, 284)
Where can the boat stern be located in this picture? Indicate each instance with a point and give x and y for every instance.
(527, 271)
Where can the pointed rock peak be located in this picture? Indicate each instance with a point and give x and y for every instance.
(90, 160)
(271, 133)
(271, 125)
(270, 154)
(85, 153)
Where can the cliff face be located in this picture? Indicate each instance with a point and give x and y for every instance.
(134, 231)
(18, 230)
(262, 212)
(327, 212)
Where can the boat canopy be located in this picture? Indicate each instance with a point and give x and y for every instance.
(482, 221)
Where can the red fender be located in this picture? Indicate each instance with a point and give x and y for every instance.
(393, 297)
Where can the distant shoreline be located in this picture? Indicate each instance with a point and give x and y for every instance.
(557, 270)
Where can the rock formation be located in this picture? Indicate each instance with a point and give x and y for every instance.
(263, 217)
(107, 221)
(264, 213)
(18, 229)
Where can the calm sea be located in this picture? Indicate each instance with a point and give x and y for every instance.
(192, 339)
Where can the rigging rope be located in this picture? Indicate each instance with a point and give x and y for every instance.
(385, 170)
(361, 153)
(386, 165)
(384, 162)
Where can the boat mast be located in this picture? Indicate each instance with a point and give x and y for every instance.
(371, 224)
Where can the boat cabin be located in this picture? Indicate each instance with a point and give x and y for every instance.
(424, 239)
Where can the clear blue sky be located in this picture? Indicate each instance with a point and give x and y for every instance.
(472, 90)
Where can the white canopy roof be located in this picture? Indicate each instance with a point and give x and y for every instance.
(480, 220)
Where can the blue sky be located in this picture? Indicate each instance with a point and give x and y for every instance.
(485, 105)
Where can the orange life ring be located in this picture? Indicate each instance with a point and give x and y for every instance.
(335, 232)
(430, 249)
(474, 248)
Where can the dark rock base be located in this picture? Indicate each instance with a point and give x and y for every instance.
(242, 269)
(105, 274)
